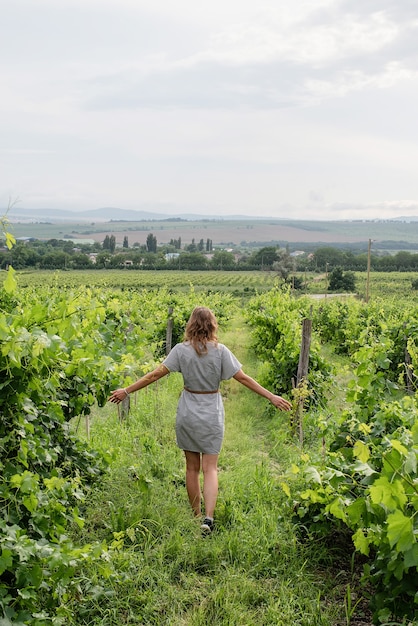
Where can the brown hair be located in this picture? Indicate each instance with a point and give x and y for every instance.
(201, 328)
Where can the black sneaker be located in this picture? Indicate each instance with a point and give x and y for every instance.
(207, 526)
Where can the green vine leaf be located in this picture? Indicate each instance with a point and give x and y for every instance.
(361, 542)
(400, 531)
(10, 284)
(411, 557)
(388, 494)
(10, 240)
(6, 560)
(361, 451)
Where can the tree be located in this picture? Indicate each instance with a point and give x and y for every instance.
(151, 243)
(284, 265)
(81, 261)
(55, 260)
(109, 243)
(192, 246)
(223, 260)
(265, 257)
(193, 261)
(125, 242)
(341, 281)
(328, 257)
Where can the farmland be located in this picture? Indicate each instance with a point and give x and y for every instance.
(238, 283)
(129, 552)
(236, 232)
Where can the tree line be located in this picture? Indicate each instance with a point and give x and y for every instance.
(197, 255)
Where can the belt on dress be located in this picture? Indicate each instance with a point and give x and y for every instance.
(205, 392)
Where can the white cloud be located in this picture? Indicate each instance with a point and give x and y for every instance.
(251, 104)
(303, 42)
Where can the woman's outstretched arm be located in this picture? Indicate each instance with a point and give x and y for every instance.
(277, 401)
(120, 394)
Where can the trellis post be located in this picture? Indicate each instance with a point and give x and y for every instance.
(169, 331)
(302, 374)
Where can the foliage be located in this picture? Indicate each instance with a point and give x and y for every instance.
(61, 352)
(341, 281)
(151, 243)
(50, 373)
(276, 320)
(367, 486)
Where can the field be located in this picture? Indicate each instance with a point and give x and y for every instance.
(244, 233)
(244, 284)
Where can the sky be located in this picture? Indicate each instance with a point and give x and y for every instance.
(301, 109)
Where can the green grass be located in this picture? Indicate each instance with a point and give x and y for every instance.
(251, 571)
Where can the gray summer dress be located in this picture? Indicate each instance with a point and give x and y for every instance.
(200, 416)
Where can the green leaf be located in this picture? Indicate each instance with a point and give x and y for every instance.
(285, 488)
(399, 447)
(411, 556)
(361, 542)
(26, 482)
(27, 593)
(410, 466)
(337, 509)
(361, 451)
(388, 494)
(6, 560)
(365, 380)
(10, 284)
(30, 502)
(356, 510)
(10, 240)
(313, 475)
(400, 531)
(414, 431)
(55, 482)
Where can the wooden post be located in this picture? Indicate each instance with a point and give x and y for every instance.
(408, 373)
(302, 373)
(169, 332)
(124, 408)
(409, 383)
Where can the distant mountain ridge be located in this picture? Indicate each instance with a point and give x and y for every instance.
(102, 214)
(106, 214)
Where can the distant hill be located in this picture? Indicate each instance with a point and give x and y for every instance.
(223, 230)
(98, 215)
(106, 214)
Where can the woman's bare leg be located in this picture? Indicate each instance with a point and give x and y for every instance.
(210, 482)
(193, 480)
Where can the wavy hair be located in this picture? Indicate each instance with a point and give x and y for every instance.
(201, 328)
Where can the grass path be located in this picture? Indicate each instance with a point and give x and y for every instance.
(252, 571)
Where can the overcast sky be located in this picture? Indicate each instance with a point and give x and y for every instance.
(284, 108)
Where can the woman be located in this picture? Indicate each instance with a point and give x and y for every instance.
(203, 363)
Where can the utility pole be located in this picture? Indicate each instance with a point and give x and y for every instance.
(326, 279)
(368, 270)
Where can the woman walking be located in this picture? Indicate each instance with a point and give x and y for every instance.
(203, 363)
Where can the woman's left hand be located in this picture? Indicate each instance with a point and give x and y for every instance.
(118, 395)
